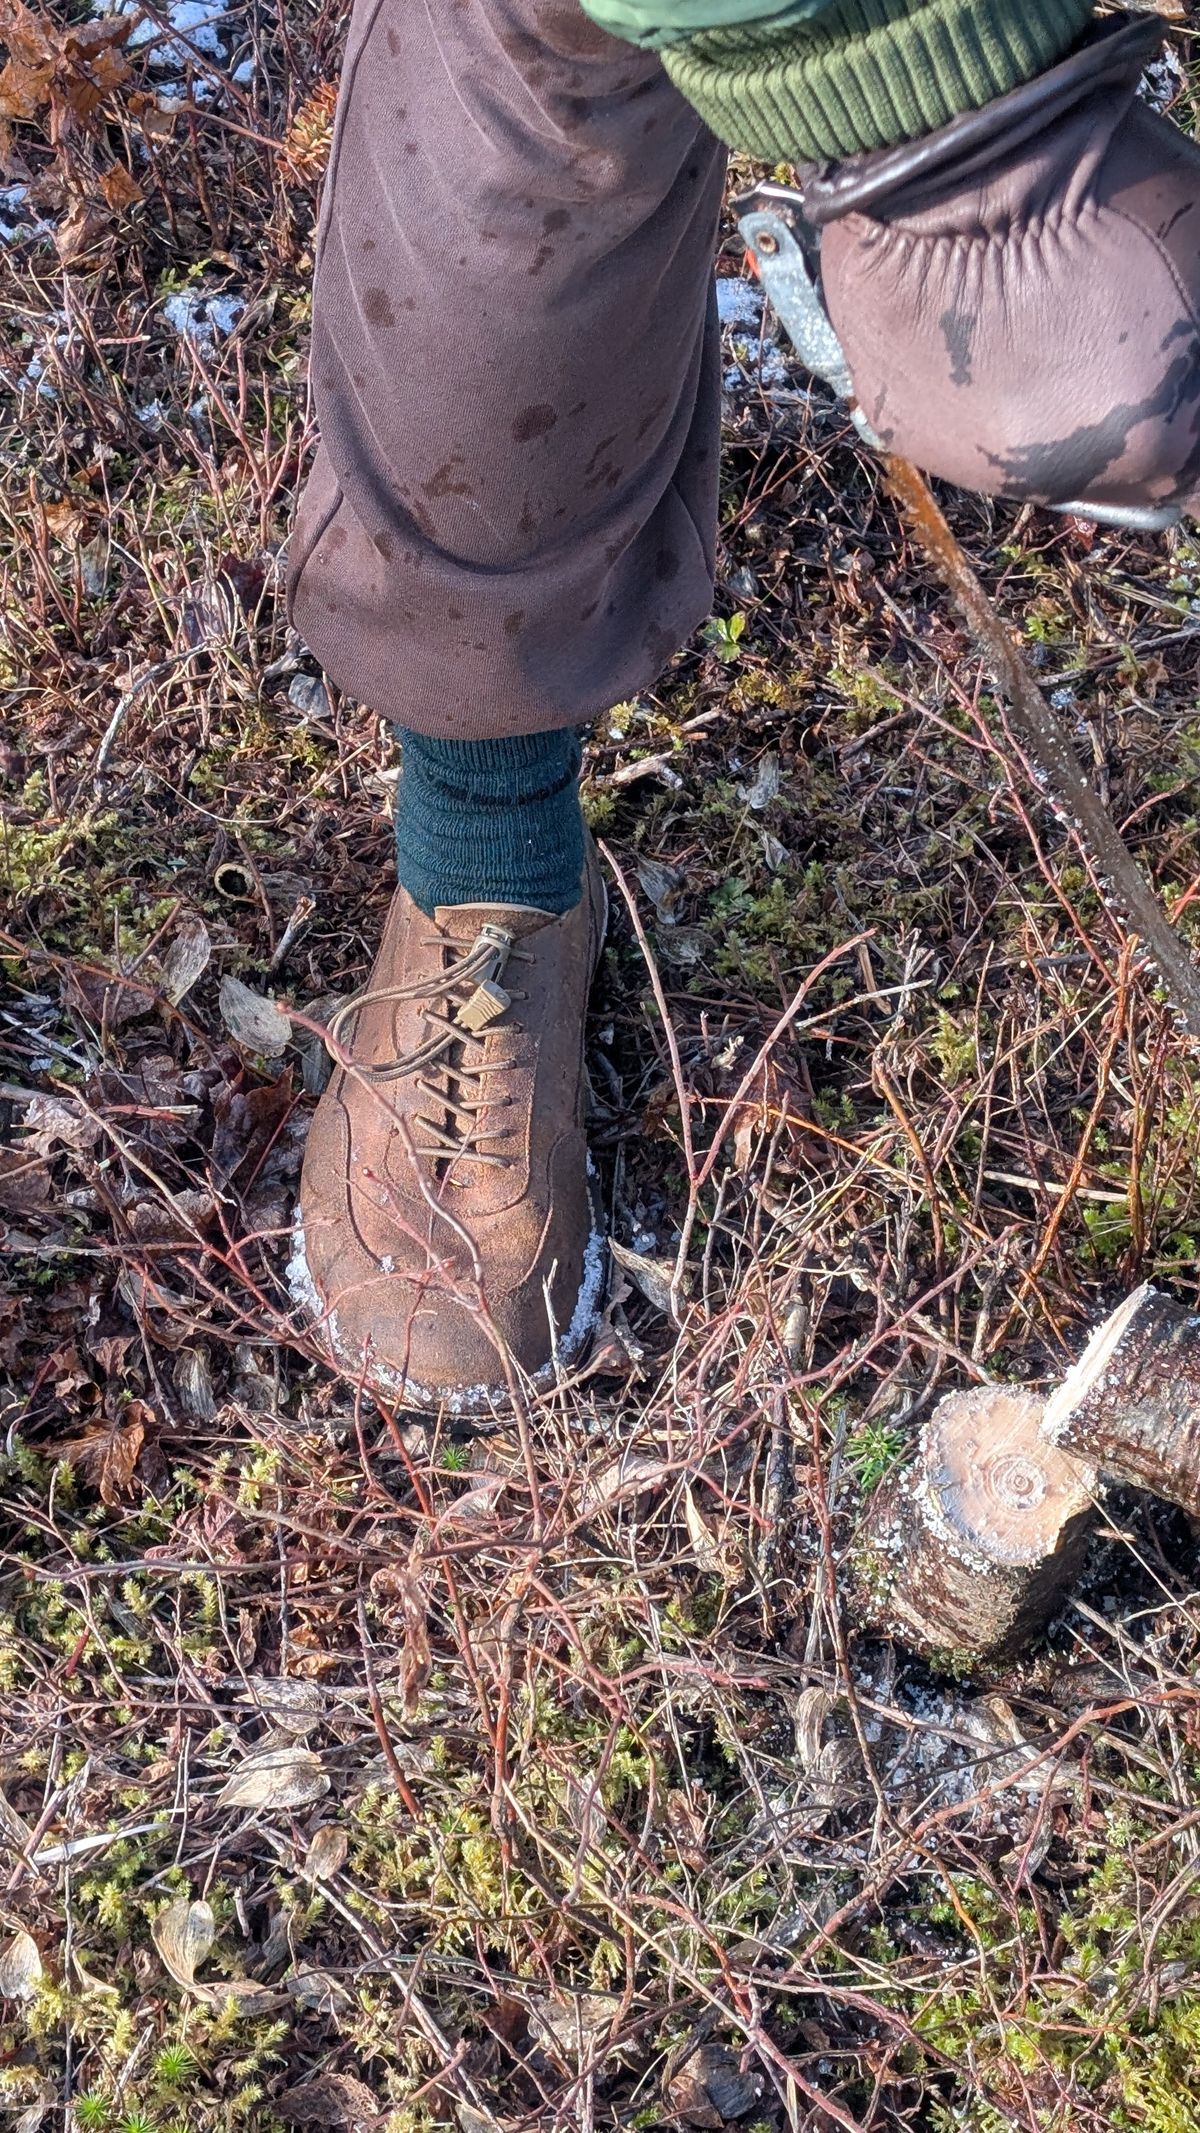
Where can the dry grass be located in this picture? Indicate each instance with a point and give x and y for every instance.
(555, 1782)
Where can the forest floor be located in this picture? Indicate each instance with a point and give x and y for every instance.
(356, 1771)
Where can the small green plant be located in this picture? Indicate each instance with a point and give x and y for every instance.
(724, 634)
(175, 2065)
(872, 1451)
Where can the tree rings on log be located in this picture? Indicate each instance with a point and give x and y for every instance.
(1131, 1405)
(965, 1553)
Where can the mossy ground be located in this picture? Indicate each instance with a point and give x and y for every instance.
(497, 1828)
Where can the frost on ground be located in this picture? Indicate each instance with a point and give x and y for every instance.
(203, 316)
(1163, 79)
(194, 22)
(18, 220)
(755, 359)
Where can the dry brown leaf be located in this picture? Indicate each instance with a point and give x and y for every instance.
(186, 957)
(283, 1777)
(476, 1504)
(28, 2120)
(120, 188)
(332, 2100)
(708, 2087)
(65, 519)
(709, 1553)
(81, 229)
(54, 1121)
(106, 1458)
(813, 1708)
(193, 1383)
(246, 1993)
(293, 1706)
(686, 1822)
(246, 1122)
(685, 945)
(652, 1276)
(25, 1185)
(317, 1992)
(472, 2121)
(626, 1476)
(20, 1968)
(416, 1661)
(774, 1101)
(184, 1934)
(252, 1021)
(327, 1854)
(662, 884)
(88, 1980)
(573, 2022)
(24, 89)
(15, 1833)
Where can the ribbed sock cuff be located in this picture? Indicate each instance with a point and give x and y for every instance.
(867, 73)
(496, 822)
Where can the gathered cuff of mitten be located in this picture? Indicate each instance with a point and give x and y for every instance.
(867, 73)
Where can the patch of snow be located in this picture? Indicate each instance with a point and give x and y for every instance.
(152, 415)
(175, 95)
(18, 222)
(739, 302)
(1163, 79)
(1062, 699)
(193, 20)
(243, 75)
(34, 373)
(202, 316)
(758, 363)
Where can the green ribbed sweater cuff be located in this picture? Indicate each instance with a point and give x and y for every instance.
(866, 73)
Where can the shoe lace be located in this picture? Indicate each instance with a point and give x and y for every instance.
(460, 1005)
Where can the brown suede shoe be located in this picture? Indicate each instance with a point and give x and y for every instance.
(448, 1236)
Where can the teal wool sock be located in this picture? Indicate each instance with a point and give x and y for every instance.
(491, 822)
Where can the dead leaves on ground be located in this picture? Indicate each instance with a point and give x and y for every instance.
(327, 1853)
(20, 1968)
(708, 2087)
(184, 1934)
(63, 73)
(252, 1021)
(278, 1778)
(403, 1587)
(59, 80)
(106, 1458)
(332, 2100)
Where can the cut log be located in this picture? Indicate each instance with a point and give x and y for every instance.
(965, 1553)
(1131, 1405)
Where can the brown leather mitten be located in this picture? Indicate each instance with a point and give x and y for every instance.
(1018, 295)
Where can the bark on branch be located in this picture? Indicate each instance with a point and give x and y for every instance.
(965, 1553)
(1131, 1405)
